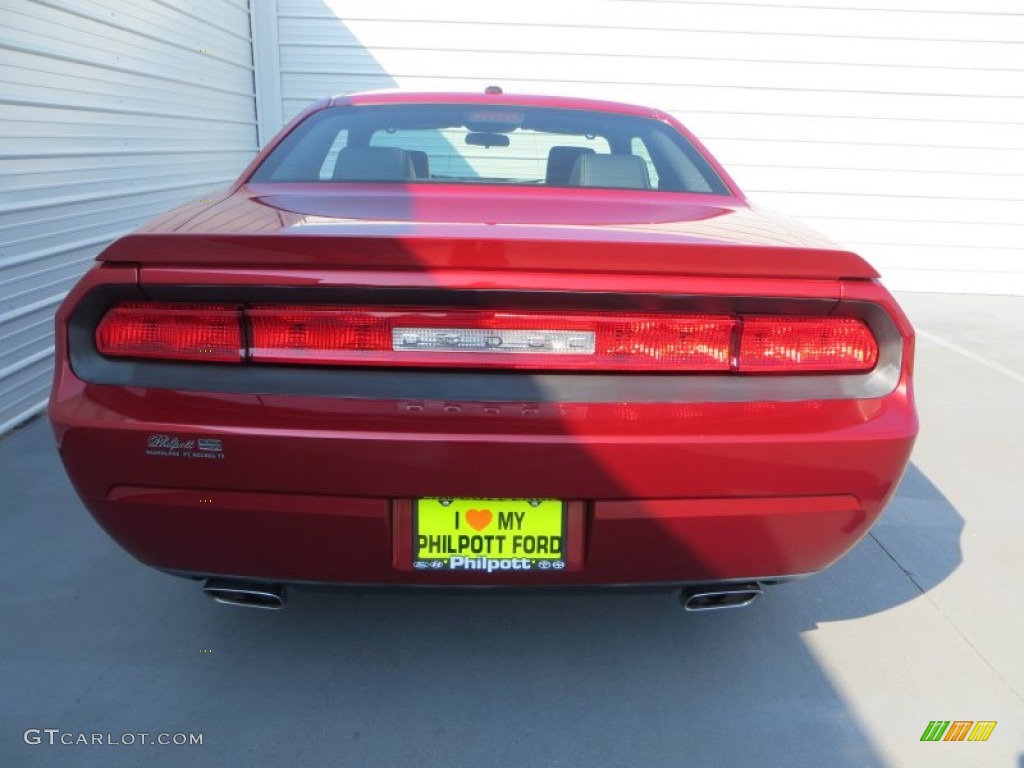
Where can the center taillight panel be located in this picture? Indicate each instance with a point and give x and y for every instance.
(490, 338)
(324, 335)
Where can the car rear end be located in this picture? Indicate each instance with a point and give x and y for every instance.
(242, 444)
(449, 381)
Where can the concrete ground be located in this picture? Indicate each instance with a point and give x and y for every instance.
(921, 622)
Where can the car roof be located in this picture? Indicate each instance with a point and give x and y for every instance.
(490, 99)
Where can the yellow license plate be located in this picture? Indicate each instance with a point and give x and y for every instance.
(488, 535)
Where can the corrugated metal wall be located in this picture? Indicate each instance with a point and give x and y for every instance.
(112, 111)
(895, 127)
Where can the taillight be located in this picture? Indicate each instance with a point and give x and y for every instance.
(488, 339)
(207, 332)
(477, 338)
(771, 343)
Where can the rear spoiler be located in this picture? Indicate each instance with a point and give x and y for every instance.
(557, 251)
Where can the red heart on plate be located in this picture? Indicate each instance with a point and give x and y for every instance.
(479, 518)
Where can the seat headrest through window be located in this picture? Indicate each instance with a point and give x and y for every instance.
(373, 164)
(615, 171)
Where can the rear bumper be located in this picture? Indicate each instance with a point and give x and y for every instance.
(352, 541)
(317, 489)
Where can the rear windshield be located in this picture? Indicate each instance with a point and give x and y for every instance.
(479, 144)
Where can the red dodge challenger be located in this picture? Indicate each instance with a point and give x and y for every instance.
(482, 340)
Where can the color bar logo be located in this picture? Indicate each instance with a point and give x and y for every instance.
(958, 730)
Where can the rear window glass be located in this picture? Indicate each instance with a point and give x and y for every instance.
(480, 144)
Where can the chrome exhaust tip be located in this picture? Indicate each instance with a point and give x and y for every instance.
(717, 597)
(247, 594)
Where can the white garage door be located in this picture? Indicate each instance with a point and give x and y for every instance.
(896, 127)
(112, 112)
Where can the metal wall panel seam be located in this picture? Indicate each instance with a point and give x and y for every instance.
(266, 53)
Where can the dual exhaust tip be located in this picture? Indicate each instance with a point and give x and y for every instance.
(706, 597)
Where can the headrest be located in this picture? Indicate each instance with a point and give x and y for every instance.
(615, 171)
(560, 163)
(373, 164)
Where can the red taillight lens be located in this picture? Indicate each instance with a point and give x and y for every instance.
(805, 344)
(319, 335)
(487, 338)
(204, 332)
(477, 338)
